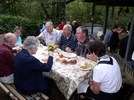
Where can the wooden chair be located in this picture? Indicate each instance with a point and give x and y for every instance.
(15, 95)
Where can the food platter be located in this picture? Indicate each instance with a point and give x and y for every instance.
(85, 66)
(69, 55)
(44, 60)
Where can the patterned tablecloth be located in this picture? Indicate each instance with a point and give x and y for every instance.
(67, 76)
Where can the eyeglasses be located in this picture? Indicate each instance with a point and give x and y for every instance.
(78, 33)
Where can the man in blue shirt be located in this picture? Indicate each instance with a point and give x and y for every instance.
(68, 41)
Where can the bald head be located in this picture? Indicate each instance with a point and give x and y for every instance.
(10, 39)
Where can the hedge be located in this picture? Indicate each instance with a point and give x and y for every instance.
(8, 22)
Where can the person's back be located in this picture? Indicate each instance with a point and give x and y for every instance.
(28, 70)
(27, 73)
(5, 62)
(123, 46)
(107, 37)
(7, 58)
(110, 75)
(106, 80)
(114, 42)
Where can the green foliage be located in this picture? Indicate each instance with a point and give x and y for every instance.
(7, 24)
(55, 10)
(79, 11)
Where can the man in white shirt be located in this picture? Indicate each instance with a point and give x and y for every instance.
(107, 80)
(50, 35)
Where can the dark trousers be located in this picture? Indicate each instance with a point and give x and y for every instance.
(48, 86)
(44, 86)
(101, 95)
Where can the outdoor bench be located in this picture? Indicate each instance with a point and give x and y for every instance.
(15, 95)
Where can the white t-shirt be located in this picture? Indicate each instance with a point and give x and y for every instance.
(108, 75)
(50, 38)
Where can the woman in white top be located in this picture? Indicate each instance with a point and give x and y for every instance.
(107, 80)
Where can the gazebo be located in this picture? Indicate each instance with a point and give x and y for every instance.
(107, 3)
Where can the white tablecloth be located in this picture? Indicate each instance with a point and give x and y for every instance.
(67, 76)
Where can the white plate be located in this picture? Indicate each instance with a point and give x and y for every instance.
(69, 55)
(85, 69)
(57, 50)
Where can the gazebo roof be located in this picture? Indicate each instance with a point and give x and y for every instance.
(128, 3)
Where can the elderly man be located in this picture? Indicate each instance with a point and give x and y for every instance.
(7, 58)
(68, 40)
(50, 35)
(28, 70)
(83, 41)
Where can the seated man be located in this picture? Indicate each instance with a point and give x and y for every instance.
(68, 40)
(7, 58)
(83, 41)
(28, 70)
(50, 35)
(107, 80)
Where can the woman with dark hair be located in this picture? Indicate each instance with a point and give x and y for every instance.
(107, 80)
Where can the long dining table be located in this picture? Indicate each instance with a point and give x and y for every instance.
(67, 76)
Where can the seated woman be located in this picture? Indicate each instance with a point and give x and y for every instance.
(28, 70)
(107, 80)
(18, 31)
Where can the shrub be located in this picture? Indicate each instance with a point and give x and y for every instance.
(8, 22)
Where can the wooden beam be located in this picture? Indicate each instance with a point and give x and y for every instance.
(106, 19)
(92, 19)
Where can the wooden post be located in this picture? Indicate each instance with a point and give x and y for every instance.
(106, 19)
(92, 19)
(130, 43)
